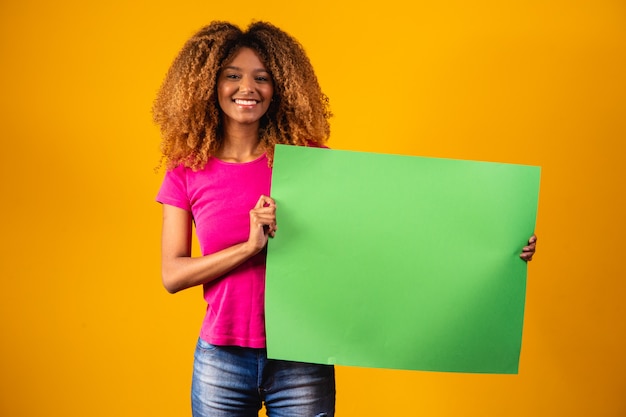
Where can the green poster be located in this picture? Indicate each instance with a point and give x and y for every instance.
(400, 262)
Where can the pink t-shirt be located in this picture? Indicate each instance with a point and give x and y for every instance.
(220, 197)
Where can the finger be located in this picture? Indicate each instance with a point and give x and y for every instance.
(527, 253)
(265, 217)
(260, 202)
(268, 225)
(265, 201)
(527, 256)
(268, 210)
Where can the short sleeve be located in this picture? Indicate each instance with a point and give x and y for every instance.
(173, 190)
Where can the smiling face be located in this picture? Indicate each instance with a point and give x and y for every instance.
(244, 89)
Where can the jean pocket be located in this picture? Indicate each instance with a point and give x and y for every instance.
(205, 346)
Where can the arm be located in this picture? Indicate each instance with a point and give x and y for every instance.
(180, 271)
(529, 251)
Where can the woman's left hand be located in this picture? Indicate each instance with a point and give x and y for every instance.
(529, 251)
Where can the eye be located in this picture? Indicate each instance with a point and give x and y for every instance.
(263, 78)
(232, 76)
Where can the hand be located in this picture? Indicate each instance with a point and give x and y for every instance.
(262, 222)
(529, 251)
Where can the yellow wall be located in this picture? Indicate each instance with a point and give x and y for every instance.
(87, 329)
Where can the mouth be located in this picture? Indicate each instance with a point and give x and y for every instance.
(247, 102)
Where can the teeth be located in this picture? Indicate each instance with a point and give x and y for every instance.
(245, 102)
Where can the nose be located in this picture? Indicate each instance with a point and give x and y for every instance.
(246, 85)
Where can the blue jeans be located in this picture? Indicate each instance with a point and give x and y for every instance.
(233, 381)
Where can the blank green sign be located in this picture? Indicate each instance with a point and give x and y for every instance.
(401, 262)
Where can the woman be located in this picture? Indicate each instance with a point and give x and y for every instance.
(227, 99)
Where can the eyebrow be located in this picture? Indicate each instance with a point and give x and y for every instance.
(232, 67)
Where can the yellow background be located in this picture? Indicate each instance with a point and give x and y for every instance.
(87, 329)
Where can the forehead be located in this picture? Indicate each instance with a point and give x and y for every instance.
(245, 57)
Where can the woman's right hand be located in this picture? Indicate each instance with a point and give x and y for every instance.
(180, 270)
(262, 223)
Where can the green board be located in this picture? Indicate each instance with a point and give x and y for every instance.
(399, 262)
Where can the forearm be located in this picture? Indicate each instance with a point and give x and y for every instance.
(181, 272)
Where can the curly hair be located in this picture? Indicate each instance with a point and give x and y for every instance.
(187, 110)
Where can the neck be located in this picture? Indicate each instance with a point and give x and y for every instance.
(240, 144)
